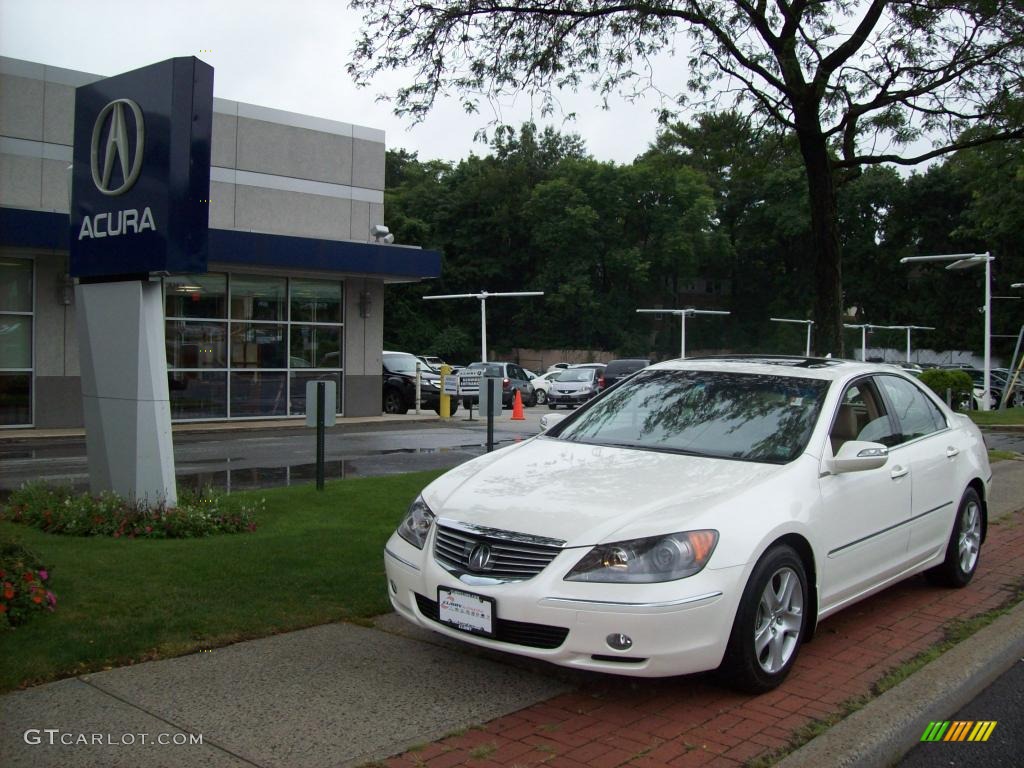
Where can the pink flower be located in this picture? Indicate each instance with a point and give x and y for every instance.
(51, 598)
(44, 575)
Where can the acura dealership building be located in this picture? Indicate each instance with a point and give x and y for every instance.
(294, 288)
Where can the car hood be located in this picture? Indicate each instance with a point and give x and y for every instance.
(585, 494)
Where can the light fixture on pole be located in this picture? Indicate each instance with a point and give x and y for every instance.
(483, 296)
(808, 323)
(959, 261)
(683, 313)
(908, 329)
(1017, 285)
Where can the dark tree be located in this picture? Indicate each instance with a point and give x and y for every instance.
(858, 83)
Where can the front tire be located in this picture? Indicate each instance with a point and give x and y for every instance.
(769, 625)
(393, 402)
(964, 548)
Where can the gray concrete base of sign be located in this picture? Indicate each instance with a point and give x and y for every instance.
(125, 399)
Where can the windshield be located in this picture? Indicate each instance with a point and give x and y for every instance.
(490, 369)
(753, 417)
(576, 374)
(406, 364)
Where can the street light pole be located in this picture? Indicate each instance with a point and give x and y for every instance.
(683, 313)
(863, 339)
(960, 261)
(808, 323)
(483, 296)
(908, 329)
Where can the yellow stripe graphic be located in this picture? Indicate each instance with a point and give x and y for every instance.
(979, 728)
(988, 731)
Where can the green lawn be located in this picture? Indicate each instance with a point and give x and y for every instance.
(315, 558)
(987, 418)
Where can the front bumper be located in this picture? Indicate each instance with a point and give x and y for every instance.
(676, 627)
(557, 398)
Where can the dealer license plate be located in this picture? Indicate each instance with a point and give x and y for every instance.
(466, 611)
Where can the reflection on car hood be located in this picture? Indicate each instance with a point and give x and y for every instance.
(583, 494)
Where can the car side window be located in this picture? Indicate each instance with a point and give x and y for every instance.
(917, 415)
(861, 415)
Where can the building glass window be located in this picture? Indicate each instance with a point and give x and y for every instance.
(244, 346)
(16, 328)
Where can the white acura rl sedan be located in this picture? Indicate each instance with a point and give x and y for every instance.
(702, 514)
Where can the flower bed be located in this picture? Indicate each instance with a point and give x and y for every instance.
(58, 510)
(23, 585)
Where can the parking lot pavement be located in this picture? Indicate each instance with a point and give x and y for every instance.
(689, 721)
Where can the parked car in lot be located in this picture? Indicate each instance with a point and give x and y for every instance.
(573, 387)
(513, 379)
(617, 370)
(704, 514)
(399, 393)
(542, 384)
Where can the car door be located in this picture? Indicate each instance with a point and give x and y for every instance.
(865, 531)
(929, 448)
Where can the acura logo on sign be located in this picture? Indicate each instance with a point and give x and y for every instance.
(111, 123)
(480, 557)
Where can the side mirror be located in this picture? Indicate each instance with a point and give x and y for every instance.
(548, 420)
(858, 456)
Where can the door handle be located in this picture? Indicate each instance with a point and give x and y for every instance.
(899, 472)
(951, 452)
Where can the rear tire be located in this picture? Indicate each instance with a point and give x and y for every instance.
(964, 548)
(552, 406)
(769, 625)
(541, 396)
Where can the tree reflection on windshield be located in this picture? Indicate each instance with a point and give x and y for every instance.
(754, 417)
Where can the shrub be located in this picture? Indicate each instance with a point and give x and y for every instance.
(941, 379)
(23, 585)
(58, 510)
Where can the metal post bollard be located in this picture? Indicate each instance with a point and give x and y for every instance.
(321, 389)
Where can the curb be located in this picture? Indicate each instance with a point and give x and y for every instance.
(891, 725)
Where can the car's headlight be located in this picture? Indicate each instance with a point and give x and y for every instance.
(416, 524)
(644, 561)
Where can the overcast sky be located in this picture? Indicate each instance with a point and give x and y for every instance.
(286, 54)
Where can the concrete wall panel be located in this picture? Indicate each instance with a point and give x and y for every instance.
(292, 213)
(222, 205)
(225, 133)
(21, 181)
(360, 220)
(363, 395)
(59, 114)
(21, 107)
(55, 185)
(367, 164)
(297, 152)
(58, 402)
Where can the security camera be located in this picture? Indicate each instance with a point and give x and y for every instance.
(382, 234)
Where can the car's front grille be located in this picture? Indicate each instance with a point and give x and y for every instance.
(498, 554)
(505, 631)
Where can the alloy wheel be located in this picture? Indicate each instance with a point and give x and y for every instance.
(969, 540)
(779, 619)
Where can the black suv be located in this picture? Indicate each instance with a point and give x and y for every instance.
(617, 370)
(400, 384)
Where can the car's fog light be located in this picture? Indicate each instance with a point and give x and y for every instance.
(394, 588)
(619, 642)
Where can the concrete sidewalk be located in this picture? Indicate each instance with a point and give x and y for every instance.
(340, 694)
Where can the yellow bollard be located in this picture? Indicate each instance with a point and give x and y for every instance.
(446, 400)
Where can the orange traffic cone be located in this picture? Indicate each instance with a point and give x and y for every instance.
(517, 408)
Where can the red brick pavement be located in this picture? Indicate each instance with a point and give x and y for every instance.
(689, 721)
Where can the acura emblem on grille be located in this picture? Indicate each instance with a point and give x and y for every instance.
(480, 558)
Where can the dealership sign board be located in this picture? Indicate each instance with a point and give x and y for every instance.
(141, 177)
